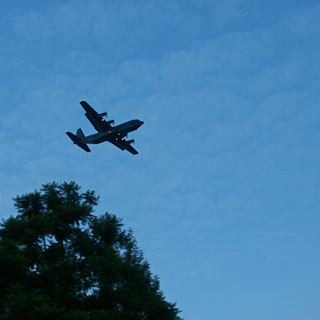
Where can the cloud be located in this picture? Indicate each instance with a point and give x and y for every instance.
(228, 152)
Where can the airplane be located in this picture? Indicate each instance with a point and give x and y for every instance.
(105, 131)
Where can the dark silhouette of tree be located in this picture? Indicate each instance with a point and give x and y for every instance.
(59, 261)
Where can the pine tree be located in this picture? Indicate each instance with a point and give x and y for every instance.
(60, 261)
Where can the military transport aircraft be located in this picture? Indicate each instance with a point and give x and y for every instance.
(105, 131)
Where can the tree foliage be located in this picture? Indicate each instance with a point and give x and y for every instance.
(59, 261)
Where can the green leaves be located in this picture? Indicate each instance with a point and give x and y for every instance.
(59, 261)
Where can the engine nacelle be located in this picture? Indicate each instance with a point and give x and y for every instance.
(109, 122)
(103, 114)
(130, 141)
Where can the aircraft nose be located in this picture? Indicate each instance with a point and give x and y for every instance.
(141, 123)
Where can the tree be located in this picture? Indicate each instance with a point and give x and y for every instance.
(59, 261)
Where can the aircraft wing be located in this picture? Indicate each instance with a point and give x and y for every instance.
(124, 145)
(95, 118)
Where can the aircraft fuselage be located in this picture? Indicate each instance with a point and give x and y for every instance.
(114, 133)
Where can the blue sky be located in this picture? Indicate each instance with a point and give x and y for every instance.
(224, 195)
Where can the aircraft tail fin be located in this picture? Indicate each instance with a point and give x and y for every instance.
(78, 140)
(80, 133)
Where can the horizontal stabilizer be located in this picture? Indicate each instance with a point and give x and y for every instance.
(77, 140)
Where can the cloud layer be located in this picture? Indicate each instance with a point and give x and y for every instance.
(223, 197)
